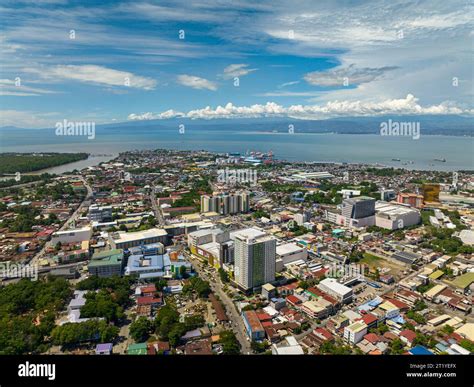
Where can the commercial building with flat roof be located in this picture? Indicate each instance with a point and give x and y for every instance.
(125, 240)
(291, 252)
(412, 199)
(339, 291)
(106, 263)
(288, 346)
(100, 214)
(406, 257)
(317, 308)
(392, 216)
(253, 325)
(355, 332)
(70, 236)
(155, 265)
(464, 281)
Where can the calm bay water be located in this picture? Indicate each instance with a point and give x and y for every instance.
(417, 154)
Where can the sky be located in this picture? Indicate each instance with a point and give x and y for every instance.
(115, 61)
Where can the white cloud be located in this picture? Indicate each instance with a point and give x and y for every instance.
(237, 70)
(353, 75)
(98, 75)
(196, 82)
(408, 105)
(286, 84)
(27, 119)
(152, 116)
(12, 88)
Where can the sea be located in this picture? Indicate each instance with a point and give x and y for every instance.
(424, 153)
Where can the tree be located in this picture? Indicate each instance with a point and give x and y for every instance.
(303, 285)
(419, 305)
(223, 275)
(91, 330)
(193, 322)
(175, 333)
(258, 347)
(377, 274)
(230, 345)
(102, 304)
(140, 329)
(182, 271)
(447, 329)
(397, 347)
(467, 344)
(416, 317)
(196, 284)
(161, 284)
(356, 256)
(27, 313)
(166, 318)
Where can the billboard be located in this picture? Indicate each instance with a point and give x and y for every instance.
(431, 192)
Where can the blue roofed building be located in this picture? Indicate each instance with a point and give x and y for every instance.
(420, 350)
(149, 265)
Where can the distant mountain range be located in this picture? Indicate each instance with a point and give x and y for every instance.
(429, 124)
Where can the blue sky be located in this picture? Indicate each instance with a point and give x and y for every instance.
(113, 61)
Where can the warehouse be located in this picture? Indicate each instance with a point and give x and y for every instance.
(393, 217)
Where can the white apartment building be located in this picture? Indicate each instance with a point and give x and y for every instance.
(355, 332)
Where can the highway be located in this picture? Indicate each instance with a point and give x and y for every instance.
(236, 320)
(156, 209)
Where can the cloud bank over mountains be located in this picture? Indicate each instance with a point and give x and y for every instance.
(405, 106)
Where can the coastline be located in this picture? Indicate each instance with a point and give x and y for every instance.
(302, 147)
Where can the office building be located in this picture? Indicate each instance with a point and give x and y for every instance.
(255, 256)
(358, 212)
(302, 218)
(359, 207)
(387, 195)
(213, 244)
(100, 214)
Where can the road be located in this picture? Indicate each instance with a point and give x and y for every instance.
(156, 209)
(236, 320)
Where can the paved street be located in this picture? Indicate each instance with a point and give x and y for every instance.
(156, 208)
(235, 318)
